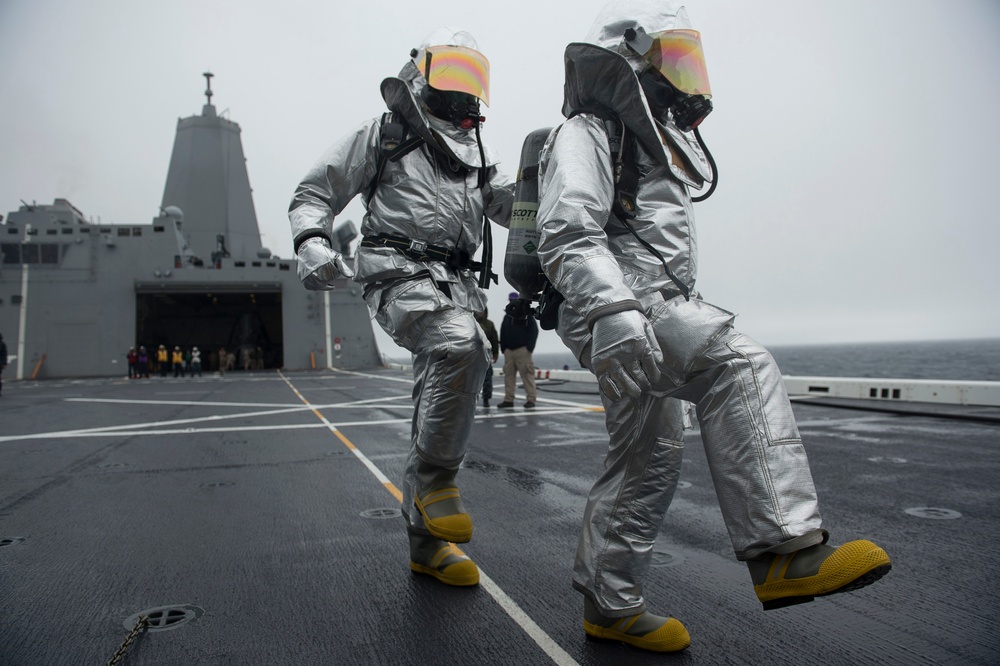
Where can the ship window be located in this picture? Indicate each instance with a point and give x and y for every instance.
(255, 263)
(84, 230)
(29, 254)
(158, 228)
(124, 231)
(11, 253)
(32, 232)
(271, 264)
(12, 231)
(239, 263)
(885, 393)
(895, 394)
(51, 232)
(873, 393)
(50, 253)
(283, 267)
(67, 230)
(136, 231)
(15, 299)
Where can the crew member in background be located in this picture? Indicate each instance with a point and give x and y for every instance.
(490, 329)
(162, 360)
(133, 358)
(624, 259)
(428, 184)
(142, 363)
(195, 362)
(3, 360)
(177, 360)
(518, 335)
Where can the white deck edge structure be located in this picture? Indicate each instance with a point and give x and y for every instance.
(941, 391)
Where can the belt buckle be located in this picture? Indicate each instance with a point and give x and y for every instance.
(418, 246)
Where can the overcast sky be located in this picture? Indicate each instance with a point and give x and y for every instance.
(857, 140)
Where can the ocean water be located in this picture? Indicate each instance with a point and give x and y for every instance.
(943, 359)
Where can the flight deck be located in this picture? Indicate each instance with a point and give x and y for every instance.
(254, 519)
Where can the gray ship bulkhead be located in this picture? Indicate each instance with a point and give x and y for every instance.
(74, 295)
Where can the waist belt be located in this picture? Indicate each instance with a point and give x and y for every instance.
(419, 250)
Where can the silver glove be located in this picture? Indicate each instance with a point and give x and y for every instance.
(626, 356)
(319, 265)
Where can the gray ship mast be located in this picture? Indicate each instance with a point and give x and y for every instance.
(208, 182)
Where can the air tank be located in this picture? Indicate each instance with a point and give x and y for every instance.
(521, 266)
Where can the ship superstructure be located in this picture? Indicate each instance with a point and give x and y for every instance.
(74, 295)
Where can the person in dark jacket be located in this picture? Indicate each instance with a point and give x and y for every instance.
(133, 359)
(490, 329)
(518, 334)
(3, 359)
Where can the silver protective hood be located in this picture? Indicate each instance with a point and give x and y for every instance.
(402, 96)
(601, 74)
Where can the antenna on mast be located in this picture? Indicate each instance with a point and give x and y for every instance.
(208, 86)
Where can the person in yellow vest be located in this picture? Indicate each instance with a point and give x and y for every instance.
(177, 360)
(162, 360)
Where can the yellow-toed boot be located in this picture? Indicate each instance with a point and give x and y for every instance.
(440, 504)
(442, 560)
(798, 577)
(645, 630)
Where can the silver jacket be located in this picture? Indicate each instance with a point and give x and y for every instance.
(586, 251)
(431, 194)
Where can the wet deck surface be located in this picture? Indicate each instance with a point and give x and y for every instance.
(233, 502)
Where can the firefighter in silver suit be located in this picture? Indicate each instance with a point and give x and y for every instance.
(430, 187)
(625, 261)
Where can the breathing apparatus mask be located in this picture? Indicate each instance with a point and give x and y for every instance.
(457, 79)
(676, 81)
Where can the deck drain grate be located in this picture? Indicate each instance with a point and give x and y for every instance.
(665, 558)
(165, 618)
(10, 541)
(381, 514)
(934, 513)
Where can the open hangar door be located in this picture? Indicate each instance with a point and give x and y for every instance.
(245, 322)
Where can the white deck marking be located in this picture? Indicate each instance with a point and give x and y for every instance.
(530, 627)
(542, 639)
(147, 428)
(565, 403)
(200, 403)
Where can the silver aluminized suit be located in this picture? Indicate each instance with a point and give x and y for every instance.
(755, 454)
(427, 307)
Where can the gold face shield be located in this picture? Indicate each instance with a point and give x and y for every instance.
(457, 69)
(677, 55)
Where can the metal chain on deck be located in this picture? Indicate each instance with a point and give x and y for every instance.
(139, 626)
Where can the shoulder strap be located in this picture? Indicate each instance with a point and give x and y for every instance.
(393, 145)
(624, 167)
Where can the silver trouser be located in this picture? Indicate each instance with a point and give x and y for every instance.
(450, 358)
(754, 451)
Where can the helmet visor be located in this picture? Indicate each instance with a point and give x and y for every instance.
(458, 69)
(678, 55)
